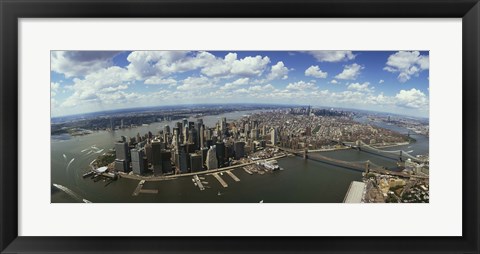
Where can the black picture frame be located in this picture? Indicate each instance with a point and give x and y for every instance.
(12, 10)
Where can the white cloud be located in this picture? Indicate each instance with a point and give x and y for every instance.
(381, 81)
(407, 64)
(360, 87)
(54, 88)
(91, 88)
(196, 83)
(114, 89)
(230, 65)
(300, 85)
(314, 71)
(250, 66)
(160, 81)
(256, 90)
(80, 63)
(146, 64)
(412, 98)
(278, 71)
(334, 81)
(350, 72)
(332, 55)
(236, 83)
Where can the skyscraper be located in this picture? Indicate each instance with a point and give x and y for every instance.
(220, 150)
(212, 162)
(204, 153)
(239, 148)
(193, 138)
(122, 152)
(196, 162)
(274, 136)
(138, 166)
(166, 161)
(201, 136)
(182, 161)
(156, 157)
(166, 129)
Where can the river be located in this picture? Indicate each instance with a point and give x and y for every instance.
(301, 181)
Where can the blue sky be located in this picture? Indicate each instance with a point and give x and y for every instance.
(387, 81)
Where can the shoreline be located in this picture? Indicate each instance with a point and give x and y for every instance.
(171, 177)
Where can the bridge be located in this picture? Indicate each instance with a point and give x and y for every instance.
(361, 166)
(394, 155)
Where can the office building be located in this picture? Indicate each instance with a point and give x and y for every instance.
(138, 166)
(212, 162)
(239, 148)
(121, 165)
(204, 152)
(274, 136)
(122, 152)
(156, 159)
(220, 150)
(166, 161)
(201, 136)
(181, 157)
(196, 162)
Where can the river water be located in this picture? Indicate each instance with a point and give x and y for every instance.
(301, 181)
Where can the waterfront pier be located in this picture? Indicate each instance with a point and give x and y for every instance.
(198, 182)
(149, 191)
(139, 188)
(234, 177)
(220, 180)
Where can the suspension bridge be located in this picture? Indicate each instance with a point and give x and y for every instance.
(400, 155)
(361, 166)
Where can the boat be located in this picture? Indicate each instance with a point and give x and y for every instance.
(272, 165)
(88, 174)
(248, 171)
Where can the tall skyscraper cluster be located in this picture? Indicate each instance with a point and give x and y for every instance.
(187, 147)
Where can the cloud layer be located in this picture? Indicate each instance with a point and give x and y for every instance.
(96, 81)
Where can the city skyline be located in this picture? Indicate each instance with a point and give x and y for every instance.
(386, 81)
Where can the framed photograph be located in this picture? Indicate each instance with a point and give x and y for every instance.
(273, 126)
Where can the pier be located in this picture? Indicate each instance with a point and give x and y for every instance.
(149, 191)
(220, 180)
(139, 188)
(198, 182)
(234, 177)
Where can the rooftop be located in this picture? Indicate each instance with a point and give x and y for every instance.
(355, 192)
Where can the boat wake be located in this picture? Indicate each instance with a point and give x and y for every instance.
(69, 164)
(69, 192)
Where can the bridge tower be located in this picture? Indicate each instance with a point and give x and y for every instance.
(305, 153)
(367, 166)
(359, 144)
(400, 158)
